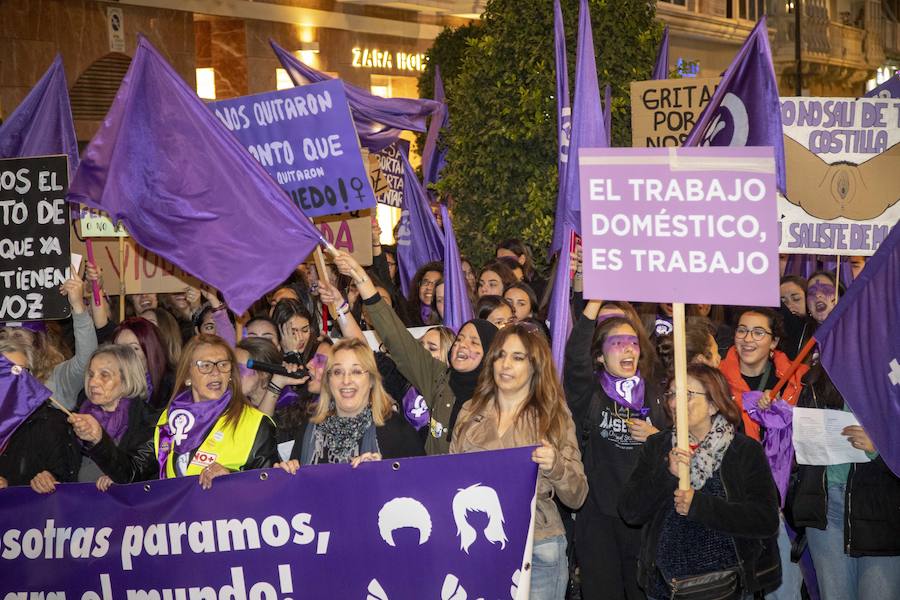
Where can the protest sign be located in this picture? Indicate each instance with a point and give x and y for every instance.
(842, 157)
(305, 139)
(664, 111)
(96, 223)
(690, 225)
(386, 530)
(386, 173)
(34, 238)
(351, 232)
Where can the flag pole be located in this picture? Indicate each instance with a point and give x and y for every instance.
(122, 279)
(322, 270)
(56, 403)
(95, 286)
(807, 347)
(837, 279)
(681, 408)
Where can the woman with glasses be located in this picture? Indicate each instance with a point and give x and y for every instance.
(354, 419)
(495, 309)
(721, 529)
(208, 428)
(519, 402)
(616, 405)
(421, 293)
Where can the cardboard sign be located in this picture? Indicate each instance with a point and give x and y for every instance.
(96, 223)
(386, 173)
(34, 238)
(663, 112)
(305, 139)
(695, 225)
(351, 232)
(842, 158)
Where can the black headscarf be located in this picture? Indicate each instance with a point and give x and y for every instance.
(463, 384)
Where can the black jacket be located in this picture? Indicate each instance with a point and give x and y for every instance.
(43, 442)
(396, 439)
(748, 513)
(141, 464)
(609, 452)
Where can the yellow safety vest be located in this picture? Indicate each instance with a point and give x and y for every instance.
(228, 445)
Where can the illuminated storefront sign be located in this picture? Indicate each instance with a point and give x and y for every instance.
(384, 59)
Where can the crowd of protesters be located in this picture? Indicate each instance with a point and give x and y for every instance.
(611, 521)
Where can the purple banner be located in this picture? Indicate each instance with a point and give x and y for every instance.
(696, 225)
(387, 530)
(305, 139)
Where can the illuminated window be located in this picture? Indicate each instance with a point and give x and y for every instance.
(282, 80)
(206, 83)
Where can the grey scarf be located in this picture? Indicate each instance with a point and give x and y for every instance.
(708, 456)
(339, 439)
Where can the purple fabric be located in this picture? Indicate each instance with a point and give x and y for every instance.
(626, 391)
(187, 424)
(433, 156)
(888, 89)
(414, 408)
(287, 397)
(607, 112)
(830, 264)
(408, 528)
(661, 66)
(20, 395)
(419, 239)
(778, 422)
(224, 327)
(42, 123)
(559, 311)
(424, 313)
(563, 124)
(114, 422)
(457, 307)
(379, 121)
(745, 110)
(803, 265)
(186, 189)
(860, 349)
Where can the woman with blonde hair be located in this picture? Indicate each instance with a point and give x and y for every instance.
(519, 402)
(354, 420)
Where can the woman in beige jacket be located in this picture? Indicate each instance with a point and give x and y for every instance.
(519, 402)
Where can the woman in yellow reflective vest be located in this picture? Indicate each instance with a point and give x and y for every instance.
(207, 429)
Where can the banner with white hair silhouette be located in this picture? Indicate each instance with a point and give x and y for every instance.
(444, 528)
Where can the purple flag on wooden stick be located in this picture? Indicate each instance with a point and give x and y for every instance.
(745, 109)
(860, 348)
(661, 67)
(457, 307)
(186, 189)
(563, 122)
(20, 395)
(379, 121)
(434, 157)
(419, 240)
(42, 123)
(559, 312)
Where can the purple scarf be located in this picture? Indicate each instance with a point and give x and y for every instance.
(424, 312)
(114, 422)
(778, 421)
(187, 425)
(626, 391)
(414, 408)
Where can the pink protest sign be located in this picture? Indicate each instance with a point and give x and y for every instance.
(693, 225)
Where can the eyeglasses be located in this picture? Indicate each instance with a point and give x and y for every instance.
(206, 366)
(339, 373)
(757, 333)
(691, 394)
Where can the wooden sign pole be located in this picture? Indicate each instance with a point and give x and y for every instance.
(122, 268)
(681, 401)
(322, 270)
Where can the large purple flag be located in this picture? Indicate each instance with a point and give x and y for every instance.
(661, 67)
(860, 348)
(559, 312)
(42, 124)
(563, 122)
(745, 110)
(457, 307)
(20, 395)
(888, 89)
(419, 240)
(379, 121)
(434, 157)
(186, 189)
(607, 112)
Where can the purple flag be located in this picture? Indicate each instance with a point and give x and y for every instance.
(457, 307)
(563, 121)
(888, 89)
(661, 67)
(42, 124)
(186, 189)
(20, 395)
(607, 112)
(419, 239)
(560, 312)
(379, 121)
(860, 348)
(745, 110)
(434, 157)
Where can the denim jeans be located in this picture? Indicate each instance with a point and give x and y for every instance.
(549, 569)
(791, 578)
(843, 577)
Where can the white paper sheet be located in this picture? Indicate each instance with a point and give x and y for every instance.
(817, 437)
(285, 448)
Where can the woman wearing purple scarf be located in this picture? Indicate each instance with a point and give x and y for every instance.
(207, 429)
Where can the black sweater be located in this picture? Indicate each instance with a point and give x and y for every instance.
(748, 513)
(43, 442)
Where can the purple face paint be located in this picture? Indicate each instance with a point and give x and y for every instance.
(819, 287)
(244, 370)
(619, 343)
(318, 361)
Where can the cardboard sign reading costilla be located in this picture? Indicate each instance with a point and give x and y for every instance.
(663, 112)
(34, 238)
(305, 139)
(695, 225)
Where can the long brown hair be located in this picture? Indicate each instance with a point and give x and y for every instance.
(545, 403)
(236, 405)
